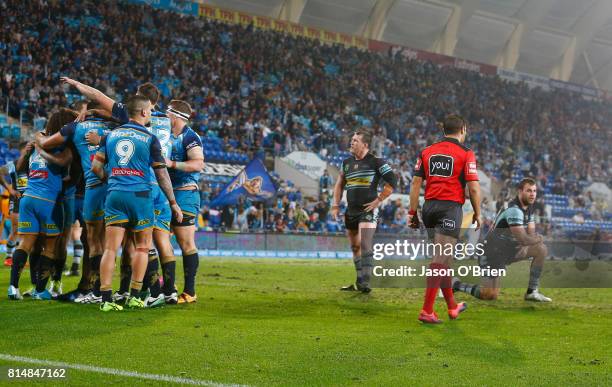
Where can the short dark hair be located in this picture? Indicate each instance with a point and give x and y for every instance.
(59, 119)
(366, 135)
(135, 104)
(150, 91)
(78, 105)
(181, 106)
(453, 124)
(526, 181)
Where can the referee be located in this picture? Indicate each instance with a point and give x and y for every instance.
(361, 174)
(446, 167)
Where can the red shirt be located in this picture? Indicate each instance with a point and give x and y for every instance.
(446, 166)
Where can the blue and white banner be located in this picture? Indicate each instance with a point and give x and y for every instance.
(253, 181)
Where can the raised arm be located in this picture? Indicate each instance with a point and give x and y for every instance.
(91, 93)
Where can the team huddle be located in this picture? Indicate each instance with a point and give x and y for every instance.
(129, 174)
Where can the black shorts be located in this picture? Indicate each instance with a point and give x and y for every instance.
(13, 205)
(352, 219)
(499, 254)
(188, 220)
(443, 217)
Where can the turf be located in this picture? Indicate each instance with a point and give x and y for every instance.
(283, 322)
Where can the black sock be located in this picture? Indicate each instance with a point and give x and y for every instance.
(34, 261)
(169, 269)
(45, 266)
(74, 268)
(146, 280)
(84, 283)
(95, 274)
(152, 278)
(126, 275)
(190, 267)
(107, 295)
(19, 260)
(58, 267)
(135, 292)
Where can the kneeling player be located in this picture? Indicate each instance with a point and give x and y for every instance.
(513, 239)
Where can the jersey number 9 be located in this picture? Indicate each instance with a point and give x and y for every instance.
(125, 150)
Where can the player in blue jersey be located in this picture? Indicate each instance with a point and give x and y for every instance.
(160, 127)
(184, 165)
(16, 188)
(95, 193)
(40, 214)
(128, 153)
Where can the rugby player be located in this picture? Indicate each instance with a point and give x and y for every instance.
(19, 182)
(512, 239)
(160, 127)
(445, 166)
(40, 211)
(129, 152)
(185, 164)
(95, 194)
(361, 174)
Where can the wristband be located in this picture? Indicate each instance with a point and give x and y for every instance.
(412, 212)
(172, 202)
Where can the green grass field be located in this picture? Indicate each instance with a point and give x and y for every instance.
(283, 322)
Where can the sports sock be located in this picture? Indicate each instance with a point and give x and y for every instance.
(447, 290)
(135, 288)
(168, 270)
(471, 289)
(107, 293)
(534, 278)
(77, 247)
(95, 274)
(126, 275)
(433, 284)
(34, 262)
(190, 266)
(151, 279)
(147, 277)
(58, 267)
(10, 247)
(84, 283)
(358, 267)
(45, 266)
(19, 260)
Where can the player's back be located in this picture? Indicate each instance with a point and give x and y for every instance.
(446, 166)
(128, 154)
(44, 178)
(87, 151)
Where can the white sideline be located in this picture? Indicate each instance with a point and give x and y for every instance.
(113, 371)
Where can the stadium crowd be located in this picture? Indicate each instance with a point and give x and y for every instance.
(264, 91)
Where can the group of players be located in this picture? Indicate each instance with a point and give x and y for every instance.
(129, 174)
(446, 167)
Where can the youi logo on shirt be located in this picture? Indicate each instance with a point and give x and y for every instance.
(441, 165)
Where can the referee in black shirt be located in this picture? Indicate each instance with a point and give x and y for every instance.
(361, 174)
